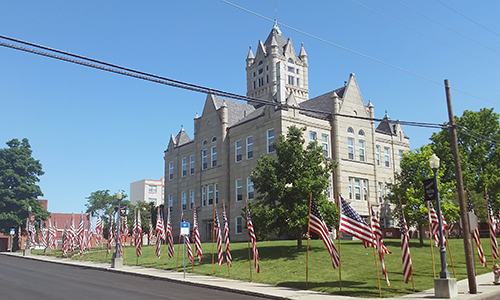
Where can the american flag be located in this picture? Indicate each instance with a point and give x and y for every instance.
(476, 237)
(90, 233)
(381, 249)
(43, 235)
(81, 234)
(226, 236)
(405, 247)
(54, 234)
(150, 232)
(492, 226)
(50, 243)
(98, 229)
(111, 238)
(66, 241)
(160, 232)
(134, 229)
(188, 244)
(435, 225)
(253, 238)
(352, 223)
(318, 226)
(32, 233)
(170, 237)
(124, 231)
(138, 235)
(71, 235)
(218, 237)
(196, 236)
(19, 238)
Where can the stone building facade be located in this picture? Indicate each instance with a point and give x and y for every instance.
(214, 165)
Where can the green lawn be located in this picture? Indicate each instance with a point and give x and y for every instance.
(282, 265)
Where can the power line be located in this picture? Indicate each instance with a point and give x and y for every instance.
(467, 18)
(358, 53)
(104, 66)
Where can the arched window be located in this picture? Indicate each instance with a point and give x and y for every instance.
(361, 132)
(260, 62)
(204, 142)
(290, 60)
(214, 139)
(350, 130)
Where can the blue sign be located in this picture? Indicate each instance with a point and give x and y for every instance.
(184, 228)
(12, 231)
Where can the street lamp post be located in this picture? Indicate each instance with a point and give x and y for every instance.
(434, 163)
(27, 250)
(117, 261)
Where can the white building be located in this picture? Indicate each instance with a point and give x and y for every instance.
(230, 136)
(150, 190)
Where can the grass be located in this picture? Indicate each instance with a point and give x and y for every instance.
(282, 265)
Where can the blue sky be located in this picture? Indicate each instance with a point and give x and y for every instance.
(94, 130)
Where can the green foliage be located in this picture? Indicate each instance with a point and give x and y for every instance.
(284, 184)
(19, 174)
(479, 158)
(146, 208)
(104, 202)
(408, 184)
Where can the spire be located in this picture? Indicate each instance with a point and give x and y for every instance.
(302, 54)
(250, 57)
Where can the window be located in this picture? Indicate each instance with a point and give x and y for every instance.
(377, 155)
(216, 193)
(250, 193)
(152, 189)
(350, 130)
(214, 139)
(298, 84)
(254, 84)
(270, 140)
(290, 60)
(358, 189)
(238, 224)
(210, 195)
(400, 155)
(171, 202)
(249, 147)
(152, 200)
(261, 81)
(388, 190)
(362, 150)
(237, 150)
(387, 157)
(239, 190)
(260, 62)
(183, 201)
(191, 199)
(171, 170)
(328, 191)
(214, 156)
(324, 144)
(204, 142)
(261, 70)
(204, 195)
(267, 78)
(291, 70)
(184, 167)
(361, 133)
(312, 136)
(204, 159)
(290, 80)
(350, 148)
(380, 192)
(191, 165)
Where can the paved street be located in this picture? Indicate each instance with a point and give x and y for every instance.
(32, 279)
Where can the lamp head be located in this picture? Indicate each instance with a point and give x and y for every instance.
(434, 162)
(119, 195)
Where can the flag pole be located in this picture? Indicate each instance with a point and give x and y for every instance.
(179, 245)
(164, 246)
(248, 242)
(401, 205)
(489, 226)
(213, 241)
(430, 237)
(308, 232)
(338, 238)
(373, 246)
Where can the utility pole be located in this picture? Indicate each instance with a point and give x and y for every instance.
(460, 189)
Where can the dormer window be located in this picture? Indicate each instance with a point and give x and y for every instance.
(214, 139)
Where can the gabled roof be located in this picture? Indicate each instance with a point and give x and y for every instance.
(322, 103)
(388, 126)
(182, 138)
(236, 111)
(280, 39)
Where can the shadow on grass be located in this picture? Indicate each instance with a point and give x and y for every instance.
(349, 288)
(269, 253)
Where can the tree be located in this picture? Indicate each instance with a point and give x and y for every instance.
(284, 184)
(479, 156)
(104, 202)
(146, 209)
(408, 184)
(19, 174)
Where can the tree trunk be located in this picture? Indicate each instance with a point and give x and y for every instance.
(421, 235)
(299, 240)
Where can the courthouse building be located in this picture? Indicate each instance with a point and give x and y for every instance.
(214, 164)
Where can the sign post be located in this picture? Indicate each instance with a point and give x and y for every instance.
(184, 233)
(12, 233)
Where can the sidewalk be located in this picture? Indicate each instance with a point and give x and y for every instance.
(485, 287)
